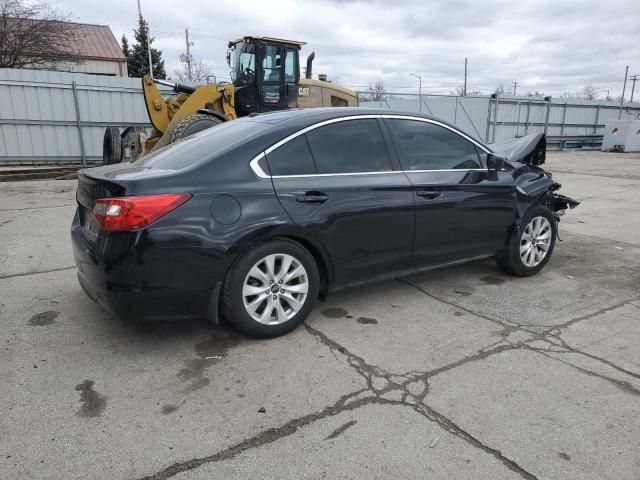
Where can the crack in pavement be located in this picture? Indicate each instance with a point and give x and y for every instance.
(410, 389)
(413, 387)
(341, 429)
(505, 324)
(545, 335)
(621, 384)
(36, 208)
(26, 274)
(270, 435)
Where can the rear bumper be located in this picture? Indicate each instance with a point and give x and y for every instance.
(149, 283)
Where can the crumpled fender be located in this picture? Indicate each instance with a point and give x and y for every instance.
(534, 185)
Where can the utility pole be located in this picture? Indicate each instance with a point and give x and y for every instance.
(148, 41)
(188, 54)
(419, 89)
(465, 77)
(624, 87)
(633, 86)
(515, 85)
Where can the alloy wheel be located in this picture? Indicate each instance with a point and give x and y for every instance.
(535, 241)
(275, 289)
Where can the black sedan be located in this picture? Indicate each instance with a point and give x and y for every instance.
(257, 218)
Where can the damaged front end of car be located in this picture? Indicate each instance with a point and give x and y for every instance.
(534, 185)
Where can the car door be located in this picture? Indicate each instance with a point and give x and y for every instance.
(462, 209)
(337, 182)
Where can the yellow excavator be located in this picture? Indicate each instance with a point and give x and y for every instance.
(265, 74)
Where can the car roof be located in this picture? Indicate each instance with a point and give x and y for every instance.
(328, 113)
(301, 118)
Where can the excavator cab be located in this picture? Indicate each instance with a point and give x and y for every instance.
(265, 72)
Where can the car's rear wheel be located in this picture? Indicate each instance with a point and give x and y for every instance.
(531, 246)
(271, 289)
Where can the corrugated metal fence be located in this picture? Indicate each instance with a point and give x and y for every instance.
(502, 118)
(54, 117)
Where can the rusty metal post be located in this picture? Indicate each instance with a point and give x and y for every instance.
(495, 117)
(546, 118)
(486, 136)
(79, 124)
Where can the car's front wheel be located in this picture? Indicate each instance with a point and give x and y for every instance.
(531, 246)
(271, 289)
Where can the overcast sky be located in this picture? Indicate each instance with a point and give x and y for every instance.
(553, 46)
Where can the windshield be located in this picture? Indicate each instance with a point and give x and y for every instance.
(244, 63)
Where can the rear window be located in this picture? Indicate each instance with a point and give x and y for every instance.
(201, 146)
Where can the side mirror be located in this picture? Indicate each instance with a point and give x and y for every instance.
(495, 163)
(229, 58)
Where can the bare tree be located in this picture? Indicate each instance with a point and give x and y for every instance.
(499, 90)
(36, 35)
(375, 92)
(200, 72)
(589, 92)
(535, 93)
(568, 94)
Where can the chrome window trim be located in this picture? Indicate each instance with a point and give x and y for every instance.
(436, 122)
(314, 126)
(343, 174)
(256, 167)
(260, 173)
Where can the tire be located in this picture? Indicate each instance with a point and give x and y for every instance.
(131, 147)
(111, 146)
(241, 306)
(194, 124)
(529, 263)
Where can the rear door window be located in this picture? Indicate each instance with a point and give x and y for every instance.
(425, 146)
(292, 158)
(351, 146)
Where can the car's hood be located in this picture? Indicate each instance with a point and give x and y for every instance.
(530, 149)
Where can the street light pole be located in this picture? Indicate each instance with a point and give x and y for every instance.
(419, 89)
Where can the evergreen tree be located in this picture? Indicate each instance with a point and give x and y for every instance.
(138, 58)
(125, 47)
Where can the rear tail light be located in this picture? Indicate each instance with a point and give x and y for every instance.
(130, 213)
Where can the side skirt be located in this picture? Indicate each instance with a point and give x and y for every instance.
(407, 272)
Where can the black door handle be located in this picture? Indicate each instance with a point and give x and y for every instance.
(313, 198)
(430, 194)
